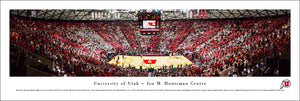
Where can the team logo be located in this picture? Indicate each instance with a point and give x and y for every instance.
(146, 61)
(151, 23)
(285, 83)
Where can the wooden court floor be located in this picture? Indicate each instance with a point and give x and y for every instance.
(160, 61)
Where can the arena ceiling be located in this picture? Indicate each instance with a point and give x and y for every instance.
(130, 14)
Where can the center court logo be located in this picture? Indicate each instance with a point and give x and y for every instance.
(149, 61)
(285, 83)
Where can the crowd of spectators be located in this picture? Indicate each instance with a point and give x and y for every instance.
(220, 47)
(174, 32)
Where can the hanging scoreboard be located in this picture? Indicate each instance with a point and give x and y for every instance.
(149, 22)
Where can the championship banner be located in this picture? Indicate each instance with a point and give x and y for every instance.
(201, 13)
(194, 14)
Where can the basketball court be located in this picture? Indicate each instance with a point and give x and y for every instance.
(149, 61)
